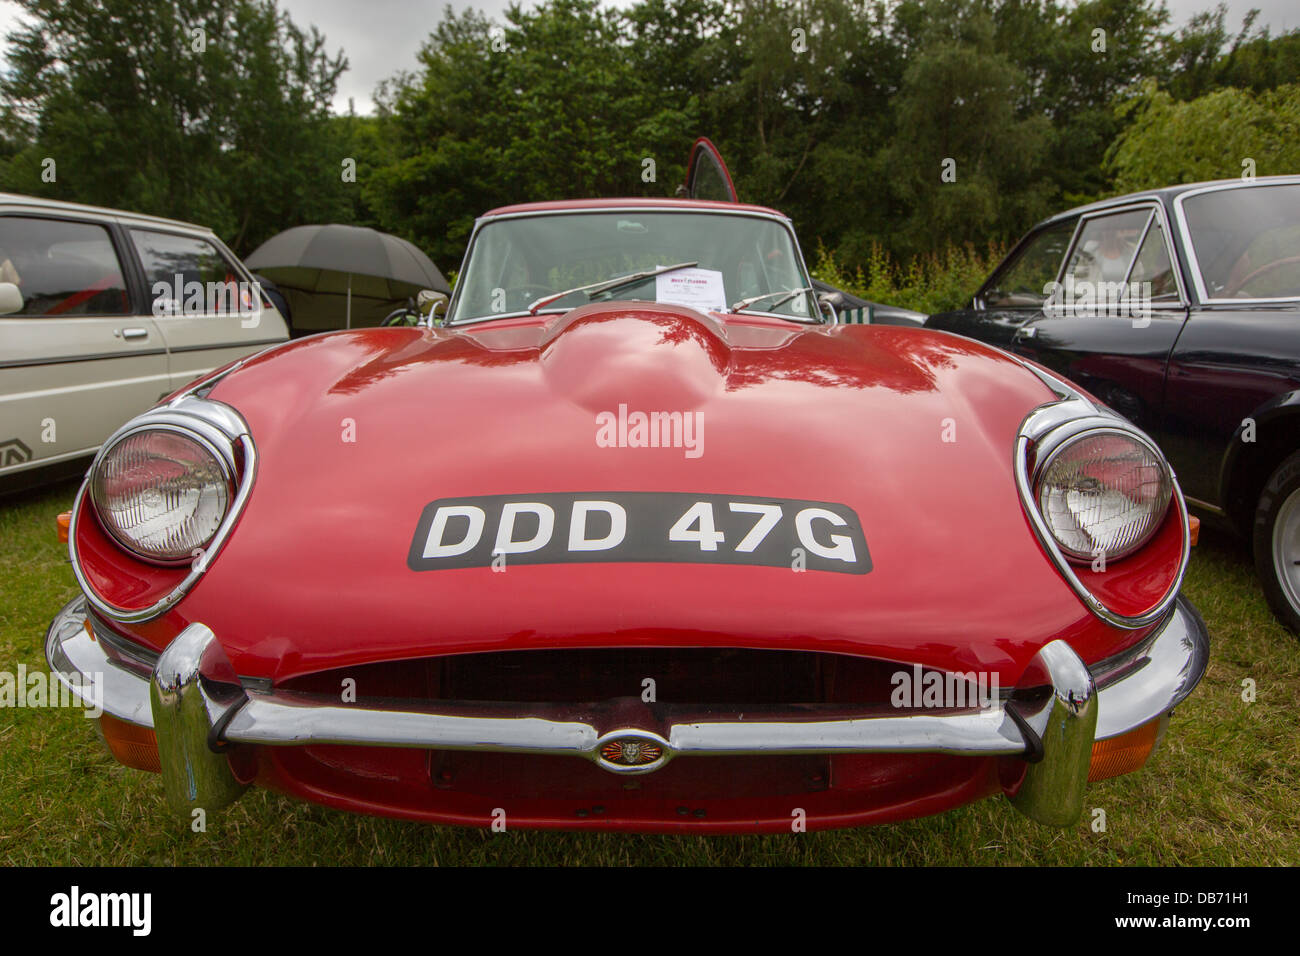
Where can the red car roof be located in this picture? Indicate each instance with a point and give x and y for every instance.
(561, 205)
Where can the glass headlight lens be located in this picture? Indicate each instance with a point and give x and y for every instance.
(161, 494)
(1103, 494)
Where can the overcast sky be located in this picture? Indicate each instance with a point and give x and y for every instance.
(381, 37)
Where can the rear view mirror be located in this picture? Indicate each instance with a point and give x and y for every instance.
(11, 300)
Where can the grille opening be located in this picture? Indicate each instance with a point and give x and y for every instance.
(729, 677)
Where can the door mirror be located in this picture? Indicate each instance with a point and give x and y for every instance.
(431, 303)
(11, 300)
(826, 303)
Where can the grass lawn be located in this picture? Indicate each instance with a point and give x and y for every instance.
(1223, 789)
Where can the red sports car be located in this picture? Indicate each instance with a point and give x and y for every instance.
(634, 536)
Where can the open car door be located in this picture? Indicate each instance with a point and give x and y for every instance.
(707, 176)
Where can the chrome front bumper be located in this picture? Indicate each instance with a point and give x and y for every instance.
(197, 706)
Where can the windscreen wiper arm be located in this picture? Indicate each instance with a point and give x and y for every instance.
(608, 285)
(785, 297)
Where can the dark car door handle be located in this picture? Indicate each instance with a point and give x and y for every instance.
(1025, 332)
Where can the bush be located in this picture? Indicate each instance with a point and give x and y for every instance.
(934, 282)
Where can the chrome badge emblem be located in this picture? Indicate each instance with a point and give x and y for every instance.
(631, 752)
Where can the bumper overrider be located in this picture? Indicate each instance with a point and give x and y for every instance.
(198, 708)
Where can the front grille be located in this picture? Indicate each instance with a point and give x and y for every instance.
(722, 676)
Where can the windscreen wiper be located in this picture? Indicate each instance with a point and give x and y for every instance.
(785, 297)
(608, 285)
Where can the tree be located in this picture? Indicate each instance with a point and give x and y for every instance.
(1206, 138)
(962, 161)
(1254, 60)
(1262, 62)
(841, 113)
(210, 110)
(558, 103)
(1077, 59)
(797, 118)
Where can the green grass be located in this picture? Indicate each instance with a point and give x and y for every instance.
(1223, 788)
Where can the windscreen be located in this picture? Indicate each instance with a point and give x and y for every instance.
(724, 259)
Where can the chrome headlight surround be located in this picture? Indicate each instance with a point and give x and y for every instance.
(1052, 427)
(221, 455)
(217, 428)
(1055, 445)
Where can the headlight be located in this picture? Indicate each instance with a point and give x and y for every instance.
(161, 493)
(1103, 493)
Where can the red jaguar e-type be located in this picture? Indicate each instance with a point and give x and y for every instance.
(635, 536)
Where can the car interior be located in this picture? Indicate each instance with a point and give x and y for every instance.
(62, 268)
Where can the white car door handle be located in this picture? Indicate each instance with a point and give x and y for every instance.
(134, 333)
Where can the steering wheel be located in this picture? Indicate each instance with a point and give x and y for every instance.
(406, 315)
(1262, 270)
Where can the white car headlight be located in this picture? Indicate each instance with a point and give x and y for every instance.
(1103, 493)
(161, 493)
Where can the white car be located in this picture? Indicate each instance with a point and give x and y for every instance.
(102, 313)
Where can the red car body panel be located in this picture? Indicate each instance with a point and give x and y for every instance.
(320, 550)
(702, 795)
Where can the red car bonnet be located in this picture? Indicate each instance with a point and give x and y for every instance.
(358, 432)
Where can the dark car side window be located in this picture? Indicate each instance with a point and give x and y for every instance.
(1021, 281)
(1122, 255)
(1153, 266)
(62, 267)
(1106, 246)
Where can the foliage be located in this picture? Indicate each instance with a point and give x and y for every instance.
(841, 113)
(994, 153)
(930, 282)
(1206, 138)
(233, 135)
(558, 104)
(1205, 56)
